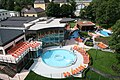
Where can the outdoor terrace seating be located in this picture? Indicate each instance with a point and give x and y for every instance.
(78, 40)
(21, 47)
(83, 53)
(74, 71)
(102, 45)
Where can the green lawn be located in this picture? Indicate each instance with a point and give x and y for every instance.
(72, 24)
(90, 75)
(104, 61)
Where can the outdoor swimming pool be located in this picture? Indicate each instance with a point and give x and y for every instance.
(105, 33)
(75, 34)
(59, 58)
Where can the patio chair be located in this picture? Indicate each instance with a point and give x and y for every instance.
(64, 74)
(102, 45)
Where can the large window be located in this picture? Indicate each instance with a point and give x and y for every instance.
(1, 51)
(8, 48)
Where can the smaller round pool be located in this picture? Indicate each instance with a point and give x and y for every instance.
(59, 58)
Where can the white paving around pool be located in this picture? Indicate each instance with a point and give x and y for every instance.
(40, 68)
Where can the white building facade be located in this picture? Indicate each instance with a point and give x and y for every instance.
(80, 5)
(4, 14)
(14, 13)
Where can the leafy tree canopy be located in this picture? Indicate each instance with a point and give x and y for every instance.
(66, 10)
(15, 4)
(115, 37)
(53, 10)
(103, 12)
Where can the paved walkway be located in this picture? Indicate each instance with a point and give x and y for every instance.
(103, 74)
(108, 50)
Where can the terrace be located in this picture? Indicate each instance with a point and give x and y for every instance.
(16, 53)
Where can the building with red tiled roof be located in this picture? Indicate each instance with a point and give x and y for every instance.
(15, 51)
(86, 25)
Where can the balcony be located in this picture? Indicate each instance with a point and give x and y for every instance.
(16, 53)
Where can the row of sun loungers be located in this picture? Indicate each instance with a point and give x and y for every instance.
(81, 67)
(74, 71)
(21, 48)
(83, 53)
(78, 39)
(102, 45)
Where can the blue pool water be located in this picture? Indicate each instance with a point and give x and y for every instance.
(104, 33)
(75, 34)
(59, 58)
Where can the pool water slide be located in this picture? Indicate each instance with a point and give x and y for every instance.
(76, 34)
(86, 40)
(104, 32)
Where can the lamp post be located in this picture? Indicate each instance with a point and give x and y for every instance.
(96, 53)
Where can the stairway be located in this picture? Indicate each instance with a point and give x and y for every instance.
(7, 70)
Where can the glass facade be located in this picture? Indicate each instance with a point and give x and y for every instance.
(51, 37)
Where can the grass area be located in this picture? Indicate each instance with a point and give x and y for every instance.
(72, 24)
(84, 34)
(90, 75)
(104, 61)
(103, 39)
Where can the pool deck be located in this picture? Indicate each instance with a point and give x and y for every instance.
(40, 68)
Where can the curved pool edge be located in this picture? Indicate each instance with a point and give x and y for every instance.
(71, 62)
(53, 72)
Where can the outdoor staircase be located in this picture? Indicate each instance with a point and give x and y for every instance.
(86, 40)
(8, 71)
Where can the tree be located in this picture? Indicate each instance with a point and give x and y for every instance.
(0, 4)
(15, 4)
(103, 12)
(10, 5)
(23, 3)
(3, 4)
(53, 10)
(73, 5)
(115, 37)
(66, 10)
(17, 8)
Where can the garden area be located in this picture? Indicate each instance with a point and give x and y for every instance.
(105, 62)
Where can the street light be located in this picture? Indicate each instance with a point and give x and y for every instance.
(96, 53)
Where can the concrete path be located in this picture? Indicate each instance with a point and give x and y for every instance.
(103, 74)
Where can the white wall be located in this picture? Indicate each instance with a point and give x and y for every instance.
(1, 48)
(14, 13)
(4, 15)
